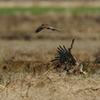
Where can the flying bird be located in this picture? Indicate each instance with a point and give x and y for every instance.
(46, 26)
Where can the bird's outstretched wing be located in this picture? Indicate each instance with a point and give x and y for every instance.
(39, 29)
(64, 55)
(56, 30)
(53, 29)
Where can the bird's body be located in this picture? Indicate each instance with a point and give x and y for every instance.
(71, 64)
(46, 26)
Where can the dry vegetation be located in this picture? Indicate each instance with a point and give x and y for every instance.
(50, 87)
(80, 27)
(26, 72)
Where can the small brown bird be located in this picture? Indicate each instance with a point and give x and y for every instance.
(46, 26)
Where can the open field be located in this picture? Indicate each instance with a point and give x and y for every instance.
(79, 26)
(25, 62)
(44, 10)
(50, 87)
(33, 10)
(26, 70)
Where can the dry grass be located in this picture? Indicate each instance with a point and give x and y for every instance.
(50, 87)
(23, 73)
(26, 72)
(80, 27)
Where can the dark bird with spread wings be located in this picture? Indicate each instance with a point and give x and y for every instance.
(64, 56)
(46, 26)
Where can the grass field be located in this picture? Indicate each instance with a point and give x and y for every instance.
(42, 10)
(26, 70)
(23, 64)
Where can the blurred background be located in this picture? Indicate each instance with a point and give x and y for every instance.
(79, 19)
(76, 18)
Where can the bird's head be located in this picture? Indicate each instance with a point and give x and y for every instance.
(43, 24)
